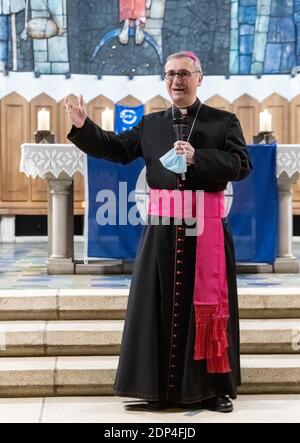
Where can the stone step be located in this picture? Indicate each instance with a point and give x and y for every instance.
(90, 376)
(269, 302)
(270, 336)
(97, 304)
(267, 374)
(103, 337)
(59, 304)
(57, 376)
(60, 338)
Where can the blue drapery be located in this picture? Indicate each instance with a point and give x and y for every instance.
(254, 214)
(118, 240)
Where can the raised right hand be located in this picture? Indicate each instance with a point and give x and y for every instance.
(77, 114)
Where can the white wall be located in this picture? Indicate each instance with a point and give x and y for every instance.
(145, 87)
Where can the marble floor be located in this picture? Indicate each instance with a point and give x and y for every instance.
(23, 266)
(110, 410)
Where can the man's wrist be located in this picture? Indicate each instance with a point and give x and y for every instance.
(192, 160)
(80, 126)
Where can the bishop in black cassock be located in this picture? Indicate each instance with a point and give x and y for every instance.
(156, 361)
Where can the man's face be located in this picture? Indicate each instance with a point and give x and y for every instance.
(183, 91)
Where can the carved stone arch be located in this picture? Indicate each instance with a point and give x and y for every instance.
(48, 103)
(157, 104)
(295, 120)
(64, 124)
(247, 109)
(219, 102)
(14, 131)
(38, 186)
(64, 127)
(279, 107)
(96, 106)
(129, 100)
(295, 138)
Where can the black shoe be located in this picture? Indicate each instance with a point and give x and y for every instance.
(149, 406)
(218, 404)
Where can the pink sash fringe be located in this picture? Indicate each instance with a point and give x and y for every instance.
(210, 287)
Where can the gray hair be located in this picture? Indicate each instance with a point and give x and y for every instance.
(187, 54)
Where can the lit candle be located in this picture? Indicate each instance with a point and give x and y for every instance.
(265, 122)
(43, 120)
(108, 120)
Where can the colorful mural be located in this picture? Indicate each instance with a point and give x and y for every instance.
(133, 37)
(45, 25)
(141, 21)
(265, 36)
(8, 11)
(133, 14)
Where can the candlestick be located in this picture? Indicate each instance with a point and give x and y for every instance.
(43, 120)
(44, 137)
(265, 122)
(108, 120)
(265, 137)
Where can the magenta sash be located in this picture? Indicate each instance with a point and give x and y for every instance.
(210, 287)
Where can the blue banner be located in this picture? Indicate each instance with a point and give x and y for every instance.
(107, 231)
(254, 214)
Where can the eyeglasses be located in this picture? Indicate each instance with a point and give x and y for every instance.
(183, 75)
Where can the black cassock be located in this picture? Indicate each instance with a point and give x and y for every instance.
(156, 360)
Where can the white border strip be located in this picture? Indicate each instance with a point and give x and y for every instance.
(144, 88)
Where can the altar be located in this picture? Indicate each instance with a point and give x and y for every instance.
(58, 163)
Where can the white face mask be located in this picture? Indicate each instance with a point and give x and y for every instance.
(174, 162)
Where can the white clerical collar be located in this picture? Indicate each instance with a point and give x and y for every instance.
(189, 109)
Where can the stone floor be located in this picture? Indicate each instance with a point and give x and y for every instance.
(23, 266)
(248, 409)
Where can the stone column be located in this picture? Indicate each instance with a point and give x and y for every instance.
(61, 226)
(286, 262)
(7, 229)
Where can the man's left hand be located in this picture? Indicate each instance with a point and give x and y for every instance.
(186, 148)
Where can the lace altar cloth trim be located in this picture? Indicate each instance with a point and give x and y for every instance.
(288, 159)
(37, 160)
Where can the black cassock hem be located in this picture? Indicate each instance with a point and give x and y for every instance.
(183, 401)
